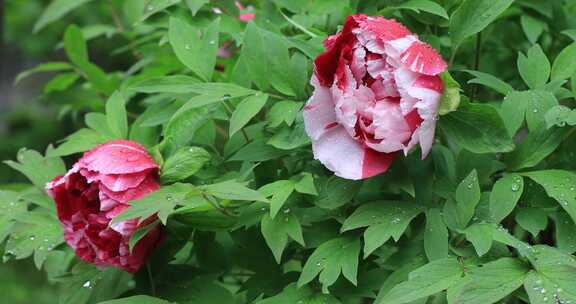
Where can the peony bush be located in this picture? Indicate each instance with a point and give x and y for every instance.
(299, 152)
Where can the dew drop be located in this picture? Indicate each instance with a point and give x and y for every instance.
(188, 47)
(535, 110)
(286, 211)
(212, 42)
(87, 284)
(150, 7)
(515, 187)
(32, 238)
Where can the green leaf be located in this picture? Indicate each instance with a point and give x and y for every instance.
(304, 295)
(37, 233)
(532, 220)
(61, 82)
(535, 67)
(306, 185)
(29, 163)
(233, 191)
(435, 236)
(162, 202)
(184, 163)
(166, 84)
(565, 239)
(257, 151)
(467, 197)
(116, 115)
(141, 299)
(424, 5)
(87, 284)
(565, 64)
(277, 230)
(43, 67)
(553, 278)
(560, 185)
(534, 149)
(79, 141)
(339, 255)
(383, 219)
(267, 61)
(505, 195)
(56, 10)
(532, 27)
(542, 290)
(279, 191)
(560, 116)
(477, 128)
(425, 281)
(99, 123)
(77, 52)
(283, 111)
(335, 192)
(196, 5)
(290, 138)
(155, 6)
(75, 45)
(451, 96)
(473, 16)
(529, 105)
(245, 111)
(180, 130)
(491, 282)
(480, 235)
(195, 48)
(11, 207)
(490, 81)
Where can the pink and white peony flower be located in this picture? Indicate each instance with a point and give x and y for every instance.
(96, 189)
(377, 92)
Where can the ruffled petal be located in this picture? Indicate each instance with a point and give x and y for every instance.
(319, 114)
(118, 157)
(384, 29)
(422, 58)
(122, 182)
(340, 153)
(147, 186)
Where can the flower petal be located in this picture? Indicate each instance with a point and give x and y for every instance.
(319, 114)
(422, 58)
(375, 162)
(340, 153)
(118, 157)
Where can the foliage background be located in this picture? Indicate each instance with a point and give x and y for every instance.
(474, 199)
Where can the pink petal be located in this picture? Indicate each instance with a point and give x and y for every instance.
(422, 58)
(118, 157)
(147, 186)
(122, 182)
(319, 111)
(385, 29)
(340, 153)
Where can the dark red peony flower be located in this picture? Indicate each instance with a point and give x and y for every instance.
(96, 189)
(377, 92)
